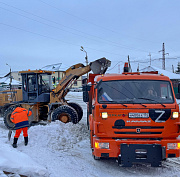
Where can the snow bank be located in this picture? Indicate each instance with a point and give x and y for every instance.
(18, 162)
(57, 135)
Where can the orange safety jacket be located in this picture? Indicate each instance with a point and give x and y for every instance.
(20, 117)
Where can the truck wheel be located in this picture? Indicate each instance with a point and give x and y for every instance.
(65, 114)
(78, 109)
(7, 114)
(96, 158)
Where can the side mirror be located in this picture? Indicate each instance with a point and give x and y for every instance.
(178, 95)
(179, 88)
(86, 88)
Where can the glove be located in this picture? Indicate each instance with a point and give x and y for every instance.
(30, 109)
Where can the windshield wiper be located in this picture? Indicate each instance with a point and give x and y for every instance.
(151, 100)
(113, 102)
(110, 101)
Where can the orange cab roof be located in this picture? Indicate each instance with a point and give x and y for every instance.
(36, 71)
(131, 76)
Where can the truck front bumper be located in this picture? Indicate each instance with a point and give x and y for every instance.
(115, 145)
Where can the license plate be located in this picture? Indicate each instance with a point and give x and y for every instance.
(138, 115)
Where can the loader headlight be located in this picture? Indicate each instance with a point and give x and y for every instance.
(173, 146)
(175, 115)
(101, 145)
(104, 115)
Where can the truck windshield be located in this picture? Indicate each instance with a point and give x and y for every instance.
(135, 91)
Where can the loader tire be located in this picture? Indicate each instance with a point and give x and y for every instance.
(78, 109)
(7, 114)
(65, 114)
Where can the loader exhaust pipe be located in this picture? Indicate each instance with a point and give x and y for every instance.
(100, 66)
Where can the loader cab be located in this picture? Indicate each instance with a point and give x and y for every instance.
(36, 85)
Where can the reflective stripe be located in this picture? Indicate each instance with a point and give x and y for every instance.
(21, 125)
(14, 113)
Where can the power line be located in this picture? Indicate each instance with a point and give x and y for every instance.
(114, 43)
(163, 56)
(139, 61)
(99, 26)
(43, 23)
(52, 38)
(115, 65)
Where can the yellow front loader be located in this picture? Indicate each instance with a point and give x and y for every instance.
(48, 104)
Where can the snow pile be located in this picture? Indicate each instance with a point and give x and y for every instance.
(57, 135)
(17, 162)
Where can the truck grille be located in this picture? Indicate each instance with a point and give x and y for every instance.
(142, 130)
(138, 133)
(134, 127)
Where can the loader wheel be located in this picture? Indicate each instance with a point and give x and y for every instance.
(78, 109)
(7, 114)
(65, 114)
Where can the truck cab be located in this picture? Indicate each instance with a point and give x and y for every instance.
(133, 117)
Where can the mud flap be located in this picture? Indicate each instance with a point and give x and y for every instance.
(141, 153)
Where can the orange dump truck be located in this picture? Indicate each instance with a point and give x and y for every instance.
(133, 117)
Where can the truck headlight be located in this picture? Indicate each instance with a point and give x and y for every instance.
(101, 145)
(175, 115)
(104, 115)
(173, 146)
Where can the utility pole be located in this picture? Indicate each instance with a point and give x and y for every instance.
(163, 56)
(138, 68)
(150, 58)
(172, 68)
(10, 80)
(10, 77)
(129, 64)
(86, 58)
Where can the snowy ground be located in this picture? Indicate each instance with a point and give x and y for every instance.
(61, 149)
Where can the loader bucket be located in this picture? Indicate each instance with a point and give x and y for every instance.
(100, 66)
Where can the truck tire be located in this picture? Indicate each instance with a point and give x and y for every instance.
(7, 114)
(78, 109)
(65, 114)
(96, 158)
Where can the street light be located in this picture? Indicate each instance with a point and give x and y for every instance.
(10, 77)
(86, 57)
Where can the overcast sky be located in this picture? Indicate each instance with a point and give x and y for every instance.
(36, 33)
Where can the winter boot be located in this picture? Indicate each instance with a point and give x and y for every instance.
(25, 141)
(15, 143)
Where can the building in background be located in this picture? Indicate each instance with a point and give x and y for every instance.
(175, 78)
(59, 74)
(15, 81)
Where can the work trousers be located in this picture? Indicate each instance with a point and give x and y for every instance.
(18, 132)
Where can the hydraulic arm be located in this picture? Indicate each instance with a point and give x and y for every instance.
(74, 72)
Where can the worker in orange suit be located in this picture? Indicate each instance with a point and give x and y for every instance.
(20, 118)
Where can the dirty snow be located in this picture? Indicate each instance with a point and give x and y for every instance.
(59, 149)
